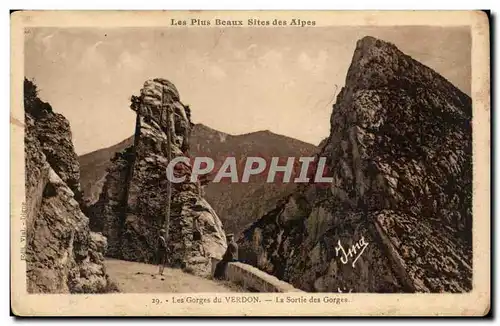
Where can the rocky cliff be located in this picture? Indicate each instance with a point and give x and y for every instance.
(62, 254)
(398, 214)
(132, 205)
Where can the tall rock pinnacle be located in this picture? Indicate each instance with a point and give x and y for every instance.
(133, 201)
(399, 152)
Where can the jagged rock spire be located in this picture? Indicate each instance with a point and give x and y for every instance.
(134, 198)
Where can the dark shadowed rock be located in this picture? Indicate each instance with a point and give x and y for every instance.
(399, 154)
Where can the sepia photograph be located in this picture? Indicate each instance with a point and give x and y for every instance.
(256, 158)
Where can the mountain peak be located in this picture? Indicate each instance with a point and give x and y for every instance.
(368, 41)
(377, 64)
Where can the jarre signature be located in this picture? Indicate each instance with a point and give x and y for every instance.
(354, 251)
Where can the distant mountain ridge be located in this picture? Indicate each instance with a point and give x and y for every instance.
(236, 204)
(239, 204)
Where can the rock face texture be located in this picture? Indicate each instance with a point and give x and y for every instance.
(62, 254)
(132, 205)
(398, 214)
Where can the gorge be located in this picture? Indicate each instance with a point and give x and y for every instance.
(395, 216)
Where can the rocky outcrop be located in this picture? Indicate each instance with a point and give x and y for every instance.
(132, 205)
(62, 255)
(399, 153)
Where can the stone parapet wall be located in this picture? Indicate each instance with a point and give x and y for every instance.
(254, 279)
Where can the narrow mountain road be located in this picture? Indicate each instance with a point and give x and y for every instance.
(132, 277)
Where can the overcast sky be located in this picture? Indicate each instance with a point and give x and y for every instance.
(236, 80)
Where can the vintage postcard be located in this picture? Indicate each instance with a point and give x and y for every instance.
(250, 163)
